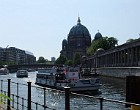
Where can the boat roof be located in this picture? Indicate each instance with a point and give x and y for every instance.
(21, 70)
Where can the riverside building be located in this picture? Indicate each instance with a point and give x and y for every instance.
(16, 56)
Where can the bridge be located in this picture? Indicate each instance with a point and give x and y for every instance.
(14, 68)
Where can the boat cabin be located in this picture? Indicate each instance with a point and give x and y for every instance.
(67, 74)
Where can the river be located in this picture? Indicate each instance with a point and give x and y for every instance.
(112, 88)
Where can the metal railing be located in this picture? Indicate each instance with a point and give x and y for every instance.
(19, 102)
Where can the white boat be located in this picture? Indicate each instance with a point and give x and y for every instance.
(22, 73)
(4, 71)
(67, 77)
(46, 77)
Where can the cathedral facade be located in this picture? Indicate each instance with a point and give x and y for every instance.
(78, 40)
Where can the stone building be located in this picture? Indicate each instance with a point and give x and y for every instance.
(125, 55)
(120, 61)
(78, 40)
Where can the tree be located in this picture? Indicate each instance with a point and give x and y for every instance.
(105, 43)
(61, 60)
(112, 42)
(41, 60)
(7, 63)
(76, 60)
(69, 62)
(130, 40)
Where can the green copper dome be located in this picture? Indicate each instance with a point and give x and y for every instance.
(98, 36)
(79, 30)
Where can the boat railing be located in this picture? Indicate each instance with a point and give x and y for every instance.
(20, 102)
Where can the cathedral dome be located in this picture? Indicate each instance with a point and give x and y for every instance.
(78, 40)
(98, 36)
(79, 30)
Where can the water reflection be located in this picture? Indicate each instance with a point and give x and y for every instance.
(112, 88)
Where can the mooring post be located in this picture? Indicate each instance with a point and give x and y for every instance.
(9, 92)
(132, 89)
(29, 95)
(67, 98)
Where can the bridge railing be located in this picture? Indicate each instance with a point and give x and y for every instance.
(20, 102)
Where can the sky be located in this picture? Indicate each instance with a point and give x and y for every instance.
(39, 26)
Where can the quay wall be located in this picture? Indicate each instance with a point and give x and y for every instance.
(120, 72)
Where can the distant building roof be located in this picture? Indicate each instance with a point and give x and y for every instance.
(30, 53)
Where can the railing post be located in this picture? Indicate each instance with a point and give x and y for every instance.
(22, 103)
(13, 100)
(67, 98)
(17, 96)
(44, 98)
(29, 95)
(101, 103)
(9, 92)
(1, 88)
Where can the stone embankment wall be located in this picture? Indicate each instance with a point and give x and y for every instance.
(120, 72)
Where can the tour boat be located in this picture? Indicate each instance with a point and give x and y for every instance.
(70, 76)
(4, 71)
(22, 73)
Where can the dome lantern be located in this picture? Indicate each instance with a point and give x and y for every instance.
(78, 21)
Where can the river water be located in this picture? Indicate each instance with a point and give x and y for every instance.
(112, 88)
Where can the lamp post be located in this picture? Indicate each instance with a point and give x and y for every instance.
(95, 63)
(82, 66)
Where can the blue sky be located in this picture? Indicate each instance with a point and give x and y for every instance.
(39, 26)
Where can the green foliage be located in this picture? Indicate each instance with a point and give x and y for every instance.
(3, 96)
(90, 51)
(49, 62)
(130, 40)
(7, 63)
(61, 60)
(76, 60)
(2, 99)
(105, 43)
(41, 60)
(112, 42)
(69, 62)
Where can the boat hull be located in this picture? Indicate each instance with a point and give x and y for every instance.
(22, 76)
(75, 86)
